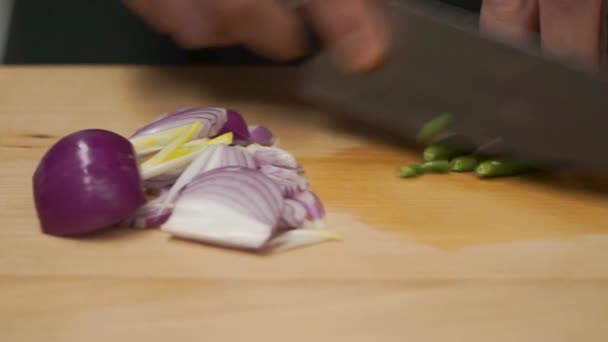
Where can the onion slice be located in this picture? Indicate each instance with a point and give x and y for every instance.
(148, 144)
(282, 167)
(299, 238)
(151, 215)
(265, 155)
(235, 124)
(163, 130)
(169, 152)
(182, 157)
(314, 208)
(293, 216)
(261, 135)
(213, 157)
(290, 181)
(233, 207)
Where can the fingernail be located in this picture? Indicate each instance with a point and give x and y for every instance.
(358, 51)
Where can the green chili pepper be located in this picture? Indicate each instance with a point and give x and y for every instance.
(409, 171)
(501, 168)
(434, 127)
(441, 152)
(436, 166)
(464, 164)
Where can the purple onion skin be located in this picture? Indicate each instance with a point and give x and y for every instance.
(237, 125)
(87, 181)
(261, 135)
(312, 203)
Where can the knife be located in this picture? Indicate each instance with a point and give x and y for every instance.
(525, 104)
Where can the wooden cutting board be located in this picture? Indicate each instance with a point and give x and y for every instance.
(439, 258)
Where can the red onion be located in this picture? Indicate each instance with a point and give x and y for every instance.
(236, 124)
(264, 193)
(163, 181)
(290, 181)
(264, 155)
(151, 215)
(282, 167)
(212, 120)
(261, 135)
(87, 181)
(212, 157)
(251, 195)
(293, 215)
(233, 206)
(312, 203)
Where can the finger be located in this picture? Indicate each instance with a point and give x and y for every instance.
(267, 26)
(510, 19)
(215, 32)
(149, 12)
(186, 23)
(357, 30)
(573, 29)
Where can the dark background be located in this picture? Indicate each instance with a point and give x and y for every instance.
(104, 32)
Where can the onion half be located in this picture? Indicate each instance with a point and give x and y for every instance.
(87, 181)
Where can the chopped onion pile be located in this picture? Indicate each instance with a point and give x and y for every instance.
(215, 179)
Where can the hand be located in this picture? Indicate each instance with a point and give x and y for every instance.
(569, 28)
(355, 29)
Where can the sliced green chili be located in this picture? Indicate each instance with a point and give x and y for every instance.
(434, 127)
(409, 171)
(436, 166)
(441, 152)
(464, 164)
(501, 168)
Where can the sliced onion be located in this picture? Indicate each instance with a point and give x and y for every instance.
(146, 145)
(249, 195)
(174, 167)
(291, 181)
(264, 155)
(298, 238)
(314, 207)
(236, 124)
(213, 157)
(87, 181)
(264, 192)
(163, 181)
(261, 135)
(211, 119)
(234, 206)
(192, 144)
(293, 216)
(169, 152)
(151, 215)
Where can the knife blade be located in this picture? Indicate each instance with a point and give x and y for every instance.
(534, 106)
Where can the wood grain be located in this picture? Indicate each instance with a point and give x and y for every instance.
(439, 258)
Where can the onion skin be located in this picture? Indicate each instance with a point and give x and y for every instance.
(293, 215)
(261, 135)
(313, 205)
(87, 181)
(211, 118)
(151, 215)
(236, 124)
